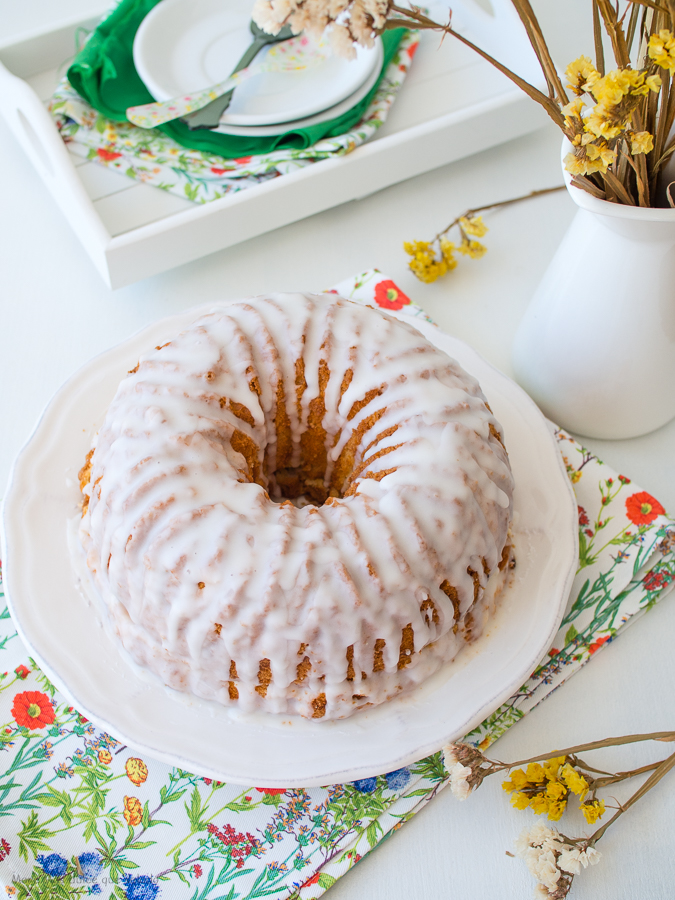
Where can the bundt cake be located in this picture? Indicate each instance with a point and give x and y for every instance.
(297, 505)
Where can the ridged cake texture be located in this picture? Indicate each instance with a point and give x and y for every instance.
(297, 505)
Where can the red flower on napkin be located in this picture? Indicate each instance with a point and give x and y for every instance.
(389, 296)
(642, 508)
(654, 581)
(107, 155)
(596, 645)
(32, 709)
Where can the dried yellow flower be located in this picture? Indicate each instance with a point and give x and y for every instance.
(572, 112)
(593, 811)
(620, 83)
(427, 271)
(535, 773)
(555, 790)
(618, 95)
(517, 782)
(581, 75)
(424, 264)
(556, 809)
(590, 156)
(602, 124)
(661, 49)
(601, 154)
(414, 247)
(448, 252)
(473, 226)
(574, 164)
(520, 801)
(552, 767)
(640, 142)
(539, 804)
(474, 249)
(574, 781)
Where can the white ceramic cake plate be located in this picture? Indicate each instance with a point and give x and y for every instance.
(66, 635)
(187, 45)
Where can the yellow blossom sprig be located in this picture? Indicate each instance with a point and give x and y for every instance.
(430, 260)
(546, 788)
(600, 133)
(544, 785)
(661, 49)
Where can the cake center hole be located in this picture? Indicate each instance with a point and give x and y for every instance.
(293, 484)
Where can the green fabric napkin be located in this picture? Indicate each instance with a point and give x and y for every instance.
(104, 74)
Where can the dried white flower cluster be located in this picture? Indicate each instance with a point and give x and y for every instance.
(349, 21)
(466, 766)
(552, 861)
(459, 780)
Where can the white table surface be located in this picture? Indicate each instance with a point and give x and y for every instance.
(56, 313)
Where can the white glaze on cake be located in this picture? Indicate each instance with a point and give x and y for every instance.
(220, 587)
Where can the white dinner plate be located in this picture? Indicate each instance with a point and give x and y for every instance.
(332, 113)
(63, 627)
(188, 45)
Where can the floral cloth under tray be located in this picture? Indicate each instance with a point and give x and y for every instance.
(148, 155)
(84, 815)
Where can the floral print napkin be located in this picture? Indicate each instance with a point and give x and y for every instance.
(81, 814)
(148, 155)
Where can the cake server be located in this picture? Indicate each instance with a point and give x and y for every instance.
(291, 55)
(209, 115)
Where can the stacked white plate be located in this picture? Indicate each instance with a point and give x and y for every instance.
(187, 45)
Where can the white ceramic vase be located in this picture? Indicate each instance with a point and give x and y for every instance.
(596, 347)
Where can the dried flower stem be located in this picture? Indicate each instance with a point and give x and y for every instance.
(625, 174)
(415, 18)
(597, 40)
(598, 745)
(651, 5)
(470, 213)
(614, 29)
(662, 769)
(534, 32)
(620, 776)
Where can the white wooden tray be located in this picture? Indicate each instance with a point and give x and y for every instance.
(452, 104)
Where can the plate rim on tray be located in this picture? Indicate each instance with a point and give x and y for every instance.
(150, 30)
(325, 116)
(88, 669)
